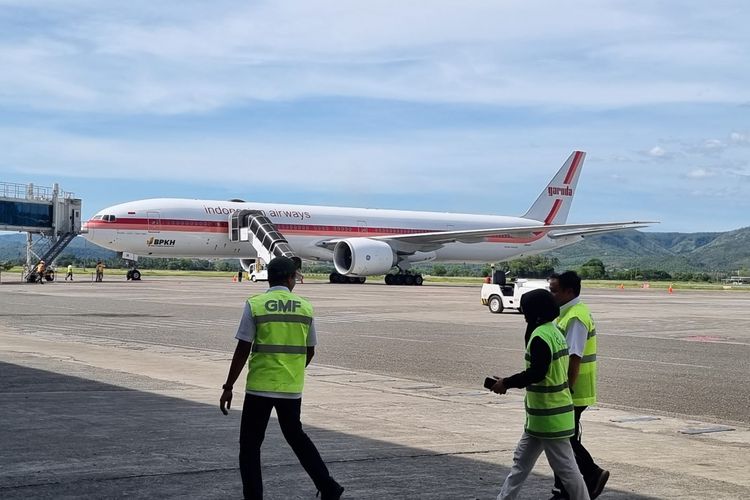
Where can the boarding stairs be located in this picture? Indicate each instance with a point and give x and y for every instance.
(53, 250)
(255, 227)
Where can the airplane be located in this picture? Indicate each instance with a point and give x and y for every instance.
(360, 242)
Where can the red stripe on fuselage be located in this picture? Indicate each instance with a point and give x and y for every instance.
(209, 226)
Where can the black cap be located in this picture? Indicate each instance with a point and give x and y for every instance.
(280, 269)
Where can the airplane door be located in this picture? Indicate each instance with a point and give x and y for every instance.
(154, 221)
(361, 226)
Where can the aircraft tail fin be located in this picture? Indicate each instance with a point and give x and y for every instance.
(553, 204)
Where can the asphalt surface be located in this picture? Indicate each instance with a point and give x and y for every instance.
(109, 390)
(685, 354)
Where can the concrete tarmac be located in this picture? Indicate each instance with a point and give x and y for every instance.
(110, 390)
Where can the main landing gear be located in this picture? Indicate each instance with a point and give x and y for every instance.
(408, 279)
(335, 277)
(133, 273)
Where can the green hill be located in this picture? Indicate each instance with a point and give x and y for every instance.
(664, 251)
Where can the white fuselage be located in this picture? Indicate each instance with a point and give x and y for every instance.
(168, 227)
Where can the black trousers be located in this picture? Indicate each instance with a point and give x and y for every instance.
(586, 465)
(255, 414)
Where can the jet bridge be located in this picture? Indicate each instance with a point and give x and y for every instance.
(255, 227)
(52, 213)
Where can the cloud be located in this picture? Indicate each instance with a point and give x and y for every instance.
(190, 57)
(701, 173)
(739, 139)
(658, 152)
(400, 164)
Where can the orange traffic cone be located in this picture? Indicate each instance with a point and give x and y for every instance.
(234, 279)
(621, 287)
(670, 289)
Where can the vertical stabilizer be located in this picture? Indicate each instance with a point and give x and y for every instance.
(553, 204)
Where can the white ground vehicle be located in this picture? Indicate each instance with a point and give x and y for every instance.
(256, 274)
(508, 296)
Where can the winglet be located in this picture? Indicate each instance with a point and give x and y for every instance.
(553, 204)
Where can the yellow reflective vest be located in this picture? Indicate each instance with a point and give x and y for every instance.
(279, 351)
(584, 389)
(549, 407)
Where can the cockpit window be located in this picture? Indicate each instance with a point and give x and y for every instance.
(97, 217)
(109, 218)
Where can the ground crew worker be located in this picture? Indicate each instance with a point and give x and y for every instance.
(277, 326)
(40, 269)
(99, 271)
(549, 406)
(70, 273)
(577, 325)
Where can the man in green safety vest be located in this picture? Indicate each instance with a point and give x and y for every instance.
(278, 336)
(549, 406)
(577, 325)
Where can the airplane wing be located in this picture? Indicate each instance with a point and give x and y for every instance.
(435, 239)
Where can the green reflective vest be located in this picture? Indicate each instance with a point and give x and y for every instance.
(549, 407)
(584, 389)
(279, 352)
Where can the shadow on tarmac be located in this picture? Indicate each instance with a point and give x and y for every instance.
(69, 437)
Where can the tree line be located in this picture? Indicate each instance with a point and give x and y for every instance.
(535, 266)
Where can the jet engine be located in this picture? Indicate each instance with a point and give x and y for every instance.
(363, 257)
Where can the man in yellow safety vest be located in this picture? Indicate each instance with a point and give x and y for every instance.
(577, 325)
(278, 335)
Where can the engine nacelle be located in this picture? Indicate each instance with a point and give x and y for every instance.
(246, 263)
(363, 257)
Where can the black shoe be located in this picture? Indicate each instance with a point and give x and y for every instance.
(597, 486)
(333, 494)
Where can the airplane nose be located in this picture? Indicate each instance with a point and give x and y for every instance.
(87, 232)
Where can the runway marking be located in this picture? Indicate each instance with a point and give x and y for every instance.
(657, 362)
(680, 339)
(484, 347)
(396, 338)
(155, 324)
(353, 318)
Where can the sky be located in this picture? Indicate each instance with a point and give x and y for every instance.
(454, 106)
